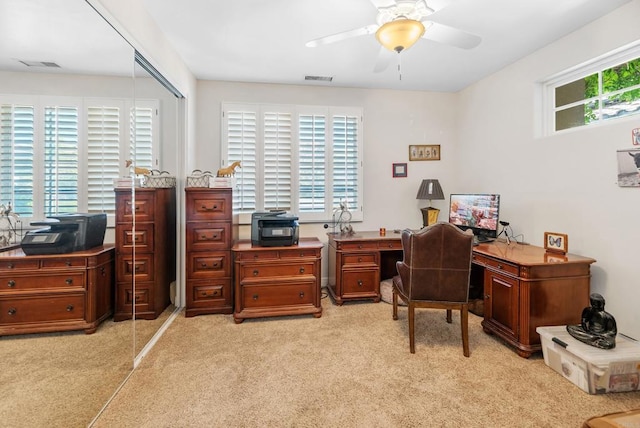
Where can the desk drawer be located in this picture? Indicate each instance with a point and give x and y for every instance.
(357, 246)
(363, 281)
(69, 262)
(390, 245)
(260, 296)
(60, 307)
(299, 253)
(258, 255)
(208, 236)
(360, 259)
(14, 265)
(142, 238)
(501, 266)
(208, 206)
(142, 267)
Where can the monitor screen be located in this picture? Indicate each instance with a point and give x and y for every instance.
(478, 212)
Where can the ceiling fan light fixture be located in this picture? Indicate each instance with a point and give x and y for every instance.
(400, 34)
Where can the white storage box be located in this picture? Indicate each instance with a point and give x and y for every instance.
(594, 370)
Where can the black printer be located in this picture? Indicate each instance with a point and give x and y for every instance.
(274, 229)
(65, 233)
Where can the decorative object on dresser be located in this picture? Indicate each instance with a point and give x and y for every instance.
(154, 239)
(211, 230)
(434, 273)
(50, 293)
(430, 189)
(229, 170)
(357, 263)
(276, 281)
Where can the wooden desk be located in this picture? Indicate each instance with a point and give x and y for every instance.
(522, 286)
(56, 292)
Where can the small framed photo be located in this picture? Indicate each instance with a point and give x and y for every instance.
(556, 242)
(399, 169)
(635, 136)
(424, 152)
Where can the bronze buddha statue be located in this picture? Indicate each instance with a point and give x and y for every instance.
(597, 327)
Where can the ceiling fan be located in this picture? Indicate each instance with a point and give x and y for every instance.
(399, 25)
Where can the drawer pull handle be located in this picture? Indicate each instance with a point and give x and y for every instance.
(487, 296)
(360, 246)
(137, 208)
(390, 245)
(255, 272)
(302, 294)
(11, 283)
(68, 263)
(499, 266)
(69, 308)
(255, 297)
(359, 259)
(302, 270)
(360, 283)
(103, 271)
(215, 236)
(69, 281)
(12, 311)
(301, 254)
(10, 265)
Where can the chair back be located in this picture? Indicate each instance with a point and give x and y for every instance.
(436, 263)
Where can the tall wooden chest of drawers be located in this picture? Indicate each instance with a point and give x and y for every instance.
(276, 281)
(209, 236)
(55, 292)
(154, 264)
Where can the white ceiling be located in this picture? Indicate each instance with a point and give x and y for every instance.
(264, 41)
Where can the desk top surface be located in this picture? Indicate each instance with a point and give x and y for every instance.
(18, 253)
(522, 254)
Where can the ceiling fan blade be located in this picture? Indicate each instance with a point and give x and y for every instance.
(383, 3)
(369, 29)
(450, 36)
(385, 57)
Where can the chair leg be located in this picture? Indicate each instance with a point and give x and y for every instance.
(412, 340)
(464, 325)
(395, 304)
(449, 318)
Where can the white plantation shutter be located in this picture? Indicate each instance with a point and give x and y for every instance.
(16, 157)
(103, 157)
(241, 138)
(346, 159)
(60, 160)
(142, 133)
(312, 165)
(277, 161)
(301, 159)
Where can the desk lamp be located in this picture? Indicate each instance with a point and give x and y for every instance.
(430, 189)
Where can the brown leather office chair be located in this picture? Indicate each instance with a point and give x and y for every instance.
(434, 273)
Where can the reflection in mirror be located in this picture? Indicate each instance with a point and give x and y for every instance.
(156, 140)
(65, 89)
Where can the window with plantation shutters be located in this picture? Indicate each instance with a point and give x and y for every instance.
(16, 157)
(302, 159)
(61, 154)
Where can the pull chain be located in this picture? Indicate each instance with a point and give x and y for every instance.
(399, 67)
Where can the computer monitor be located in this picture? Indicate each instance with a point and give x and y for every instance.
(476, 211)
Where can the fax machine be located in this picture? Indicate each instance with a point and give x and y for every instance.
(65, 233)
(274, 229)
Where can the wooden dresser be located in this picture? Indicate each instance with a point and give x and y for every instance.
(154, 266)
(57, 292)
(209, 235)
(275, 281)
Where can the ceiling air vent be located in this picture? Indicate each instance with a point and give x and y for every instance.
(319, 78)
(40, 64)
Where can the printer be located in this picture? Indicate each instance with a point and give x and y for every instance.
(273, 229)
(65, 233)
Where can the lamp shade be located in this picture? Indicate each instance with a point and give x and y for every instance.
(430, 189)
(400, 34)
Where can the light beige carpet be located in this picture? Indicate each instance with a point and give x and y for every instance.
(349, 368)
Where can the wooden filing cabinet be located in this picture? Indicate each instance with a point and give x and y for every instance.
(276, 281)
(56, 292)
(210, 232)
(153, 262)
(358, 262)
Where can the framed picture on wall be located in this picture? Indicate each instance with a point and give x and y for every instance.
(399, 169)
(628, 167)
(556, 242)
(424, 152)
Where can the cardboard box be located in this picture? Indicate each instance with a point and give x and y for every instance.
(594, 370)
